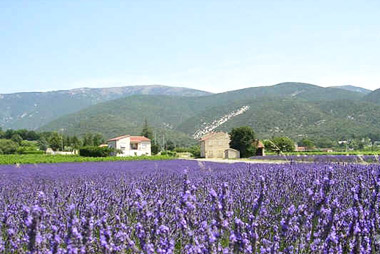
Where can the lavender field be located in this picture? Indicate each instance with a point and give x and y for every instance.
(325, 158)
(189, 207)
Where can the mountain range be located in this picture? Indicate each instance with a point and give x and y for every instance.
(34, 109)
(182, 115)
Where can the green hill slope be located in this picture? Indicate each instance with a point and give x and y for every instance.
(354, 89)
(292, 109)
(32, 110)
(373, 97)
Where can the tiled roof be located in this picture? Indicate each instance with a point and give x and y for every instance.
(139, 139)
(260, 145)
(118, 138)
(132, 138)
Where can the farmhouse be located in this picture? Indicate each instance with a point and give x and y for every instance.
(214, 145)
(131, 145)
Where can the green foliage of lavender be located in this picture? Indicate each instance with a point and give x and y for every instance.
(322, 158)
(189, 207)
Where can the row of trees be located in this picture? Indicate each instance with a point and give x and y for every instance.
(29, 141)
(60, 142)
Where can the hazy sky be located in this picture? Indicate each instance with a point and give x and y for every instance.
(209, 45)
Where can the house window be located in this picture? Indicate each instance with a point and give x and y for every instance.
(134, 146)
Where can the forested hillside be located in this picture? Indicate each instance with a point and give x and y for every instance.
(373, 97)
(296, 110)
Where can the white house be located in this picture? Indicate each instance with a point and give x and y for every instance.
(131, 145)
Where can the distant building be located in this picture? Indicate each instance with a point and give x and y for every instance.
(231, 153)
(131, 145)
(300, 148)
(52, 152)
(49, 151)
(214, 145)
(260, 148)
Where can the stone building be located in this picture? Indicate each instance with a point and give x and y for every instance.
(231, 153)
(214, 145)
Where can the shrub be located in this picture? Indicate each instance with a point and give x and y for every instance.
(8, 146)
(28, 150)
(169, 153)
(194, 150)
(94, 151)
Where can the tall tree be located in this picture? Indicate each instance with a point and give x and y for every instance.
(146, 131)
(56, 141)
(43, 144)
(281, 144)
(97, 139)
(75, 142)
(306, 143)
(9, 133)
(242, 139)
(8, 146)
(17, 138)
(88, 140)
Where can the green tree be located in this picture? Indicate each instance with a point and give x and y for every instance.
(32, 135)
(2, 133)
(97, 139)
(23, 133)
(9, 133)
(8, 146)
(146, 131)
(169, 145)
(325, 143)
(242, 139)
(88, 140)
(17, 138)
(42, 143)
(155, 148)
(67, 141)
(306, 143)
(281, 144)
(56, 141)
(75, 142)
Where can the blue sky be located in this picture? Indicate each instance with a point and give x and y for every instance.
(209, 45)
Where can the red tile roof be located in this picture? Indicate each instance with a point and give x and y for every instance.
(139, 139)
(258, 144)
(118, 138)
(132, 138)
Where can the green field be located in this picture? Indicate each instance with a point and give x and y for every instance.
(42, 158)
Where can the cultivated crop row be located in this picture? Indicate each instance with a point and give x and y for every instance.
(189, 207)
